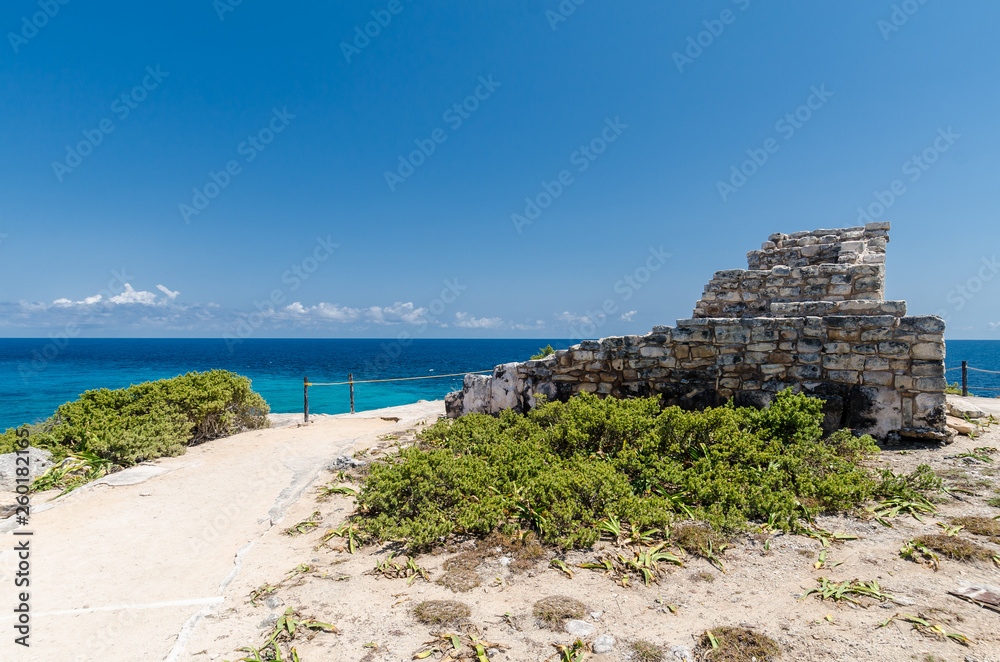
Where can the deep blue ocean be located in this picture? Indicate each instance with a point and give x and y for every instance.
(36, 375)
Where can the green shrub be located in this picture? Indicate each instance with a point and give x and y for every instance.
(149, 420)
(563, 467)
(543, 352)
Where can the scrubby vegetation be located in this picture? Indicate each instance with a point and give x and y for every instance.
(107, 428)
(441, 612)
(563, 469)
(543, 352)
(737, 644)
(554, 610)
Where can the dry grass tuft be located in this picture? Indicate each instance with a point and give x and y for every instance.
(736, 644)
(696, 538)
(980, 526)
(441, 612)
(465, 561)
(703, 577)
(953, 547)
(554, 610)
(524, 551)
(460, 581)
(644, 651)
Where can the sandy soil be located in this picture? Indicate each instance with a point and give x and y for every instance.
(127, 568)
(138, 556)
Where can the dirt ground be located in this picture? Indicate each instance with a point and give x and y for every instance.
(766, 573)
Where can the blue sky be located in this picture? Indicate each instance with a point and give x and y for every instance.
(492, 169)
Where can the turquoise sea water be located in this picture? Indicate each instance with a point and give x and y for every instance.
(32, 385)
(36, 376)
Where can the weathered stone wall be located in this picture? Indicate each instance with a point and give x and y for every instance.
(877, 370)
(739, 293)
(860, 245)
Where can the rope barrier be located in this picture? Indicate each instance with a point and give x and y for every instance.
(351, 382)
(397, 379)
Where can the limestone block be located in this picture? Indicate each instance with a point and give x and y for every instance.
(928, 351)
(732, 334)
(929, 410)
(893, 348)
(930, 384)
(477, 391)
(877, 378)
(876, 363)
(843, 362)
(843, 376)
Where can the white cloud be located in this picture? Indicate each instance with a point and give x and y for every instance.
(141, 310)
(628, 316)
(528, 326)
(572, 319)
(467, 321)
(397, 313)
(131, 295)
(169, 294)
(333, 312)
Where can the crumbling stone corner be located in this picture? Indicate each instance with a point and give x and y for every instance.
(809, 314)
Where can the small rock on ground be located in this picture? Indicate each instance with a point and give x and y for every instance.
(604, 643)
(579, 628)
(682, 653)
(39, 461)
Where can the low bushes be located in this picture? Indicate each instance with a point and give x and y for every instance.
(125, 426)
(563, 467)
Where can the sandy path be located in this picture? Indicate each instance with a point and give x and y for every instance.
(127, 568)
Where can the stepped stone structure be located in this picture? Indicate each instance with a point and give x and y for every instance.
(809, 314)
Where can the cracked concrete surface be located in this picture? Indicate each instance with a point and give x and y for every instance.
(128, 569)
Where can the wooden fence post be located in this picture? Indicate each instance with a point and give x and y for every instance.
(350, 379)
(305, 397)
(965, 378)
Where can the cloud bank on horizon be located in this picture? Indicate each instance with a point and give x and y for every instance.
(152, 312)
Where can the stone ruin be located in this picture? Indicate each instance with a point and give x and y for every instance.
(809, 314)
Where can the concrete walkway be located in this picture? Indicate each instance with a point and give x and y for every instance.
(126, 568)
